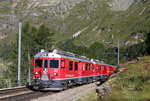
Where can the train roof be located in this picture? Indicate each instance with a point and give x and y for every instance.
(68, 55)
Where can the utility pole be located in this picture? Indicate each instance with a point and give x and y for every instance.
(118, 52)
(29, 76)
(19, 54)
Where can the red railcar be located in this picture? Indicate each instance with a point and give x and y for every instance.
(58, 70)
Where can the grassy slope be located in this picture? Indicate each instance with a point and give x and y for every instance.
(132, 84)
(3, 67)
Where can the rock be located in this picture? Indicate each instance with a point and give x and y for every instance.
(78, 33)
(62, 27)
(144, 1)
(121, 5)
(103, 90)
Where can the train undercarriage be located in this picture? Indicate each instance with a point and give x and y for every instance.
(62, 84)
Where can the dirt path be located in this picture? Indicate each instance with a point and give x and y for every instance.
(70, 94)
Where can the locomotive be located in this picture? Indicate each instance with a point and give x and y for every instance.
(59, 70)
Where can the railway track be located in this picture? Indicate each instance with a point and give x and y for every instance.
(13, 91)
(26, 96)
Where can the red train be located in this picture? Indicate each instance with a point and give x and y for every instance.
(58, 70)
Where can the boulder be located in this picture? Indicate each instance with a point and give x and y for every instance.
(103, 90)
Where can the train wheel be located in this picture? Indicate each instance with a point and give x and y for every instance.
(91, 80)
(88, 80)
(70, 84)
(65, 85)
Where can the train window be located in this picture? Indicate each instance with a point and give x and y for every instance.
(83, 67)
(38, 63)
(94, 67)
(54, 63)
(70, 65)
(99, 68)
(90, 65)
(76, 66)
(45, 63)
(62, 64)
(87, 67)
(104, 68)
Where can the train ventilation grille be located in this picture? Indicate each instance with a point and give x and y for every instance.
(44, 77)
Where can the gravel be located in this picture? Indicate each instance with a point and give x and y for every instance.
(69, 94)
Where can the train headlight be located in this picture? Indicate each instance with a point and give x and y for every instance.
(45, 54)
(36, 73)
(55, 74)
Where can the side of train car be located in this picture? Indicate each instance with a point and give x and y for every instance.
(58, 70)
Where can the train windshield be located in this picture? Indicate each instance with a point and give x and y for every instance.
(45, 63)
(54, 63)
(38, 63)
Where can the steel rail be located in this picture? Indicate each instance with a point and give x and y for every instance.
(27, 96)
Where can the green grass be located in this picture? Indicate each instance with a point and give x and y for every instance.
(132, 84)
(3, 67)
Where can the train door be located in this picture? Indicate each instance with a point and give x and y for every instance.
(63, 68)
(94, 69)
(80, 71)
(91, 69)
(76, 68)
(71, 69)
(45, 70)
(87, 69)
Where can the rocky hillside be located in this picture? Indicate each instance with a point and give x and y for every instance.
(121, 5)
(36, 10)
(86, 21)
(102, 21)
